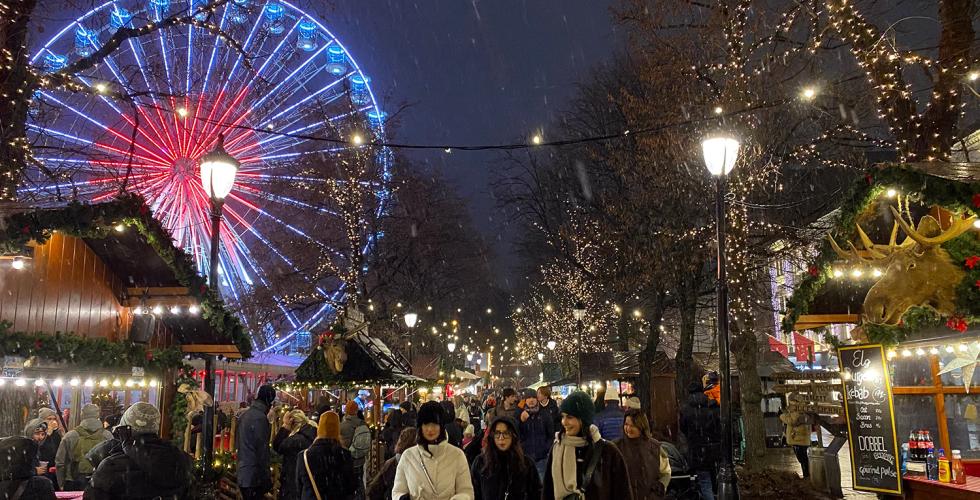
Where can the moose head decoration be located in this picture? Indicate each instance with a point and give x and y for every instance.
(917, 272)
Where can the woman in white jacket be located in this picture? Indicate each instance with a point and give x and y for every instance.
(433, 469)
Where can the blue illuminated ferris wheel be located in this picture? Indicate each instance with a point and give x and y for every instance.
(288, 79)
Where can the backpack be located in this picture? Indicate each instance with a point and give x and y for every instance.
(86, 441)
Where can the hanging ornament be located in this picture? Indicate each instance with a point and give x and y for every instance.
(956, 323)
(813, 271)
(976, 200)
(966, 362)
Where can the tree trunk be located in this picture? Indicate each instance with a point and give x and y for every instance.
(745, 347)
(650, 350)
(684, 362)
(16, 89)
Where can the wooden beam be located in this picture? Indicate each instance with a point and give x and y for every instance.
(807, 321)
(158, 291)
(226, 350)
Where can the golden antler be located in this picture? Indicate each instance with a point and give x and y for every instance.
(958, 226)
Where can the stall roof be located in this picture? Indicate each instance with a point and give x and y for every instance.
(144, 258)
(368, 360)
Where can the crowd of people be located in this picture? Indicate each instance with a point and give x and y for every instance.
(507, 445)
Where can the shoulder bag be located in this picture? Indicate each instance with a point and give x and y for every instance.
(589, 472)
(316, 491)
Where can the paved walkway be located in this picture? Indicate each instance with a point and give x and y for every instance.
(784, 459)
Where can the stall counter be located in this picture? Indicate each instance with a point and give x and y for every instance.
(918, 487)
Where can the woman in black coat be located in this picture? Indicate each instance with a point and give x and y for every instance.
(331, 467)
(295, 435)
(502, 471)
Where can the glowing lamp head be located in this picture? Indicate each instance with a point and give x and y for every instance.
(17, 264)
(218, 170)
(451, 346)
(411, 319)
(578, 312)
(720, 154)
(551, 345)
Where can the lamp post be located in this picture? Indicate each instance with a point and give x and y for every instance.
(720, 154)
(218, 171)
(410, 320)
(578, 312)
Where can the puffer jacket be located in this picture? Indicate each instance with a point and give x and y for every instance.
(18, 455)
(441, 473)
(147, 468)
(610, 421)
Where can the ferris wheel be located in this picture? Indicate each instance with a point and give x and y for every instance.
(278, 79)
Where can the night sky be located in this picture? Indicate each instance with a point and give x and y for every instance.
(469, 72)
(475, 72)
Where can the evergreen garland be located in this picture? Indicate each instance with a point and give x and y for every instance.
(86, 352)
(96, 221)
(922, 188)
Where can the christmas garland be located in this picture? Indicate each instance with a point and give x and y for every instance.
(96, 221)
(81, 351)
(925, 189)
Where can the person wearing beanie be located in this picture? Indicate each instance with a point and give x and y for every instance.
(73, 469)
(48, 446)
(349, 423)
(610, 419)
(701, 423)
(581, 461)
(326, 469)
(146, 466)
(295, 435)
(537, 432)
(433, 469)
(254, 456)
(17, 471)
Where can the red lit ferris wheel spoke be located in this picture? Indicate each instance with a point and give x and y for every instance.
(141, 131)
(207, 130)
(126, 139)
(100, 145)
(113, 68)
(277, 88)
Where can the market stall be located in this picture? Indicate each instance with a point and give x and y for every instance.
(907, 238)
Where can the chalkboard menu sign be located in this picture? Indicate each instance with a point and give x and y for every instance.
(875, 459)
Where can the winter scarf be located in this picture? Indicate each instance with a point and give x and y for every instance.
(564, 469)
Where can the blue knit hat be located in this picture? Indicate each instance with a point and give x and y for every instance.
(579, 405)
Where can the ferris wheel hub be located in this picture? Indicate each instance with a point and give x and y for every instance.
(184, 169)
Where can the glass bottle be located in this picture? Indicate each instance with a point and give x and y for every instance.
(957, 473)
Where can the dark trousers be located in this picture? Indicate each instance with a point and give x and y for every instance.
(800, 452)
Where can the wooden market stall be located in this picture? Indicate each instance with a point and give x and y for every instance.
(907, 239)
(97, 303)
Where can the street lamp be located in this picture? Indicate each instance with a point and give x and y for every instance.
(578, 312)
(551, 345)
(720, 154)
(410, 320)
(218, 171)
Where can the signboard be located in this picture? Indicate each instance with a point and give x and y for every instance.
(875, 459)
